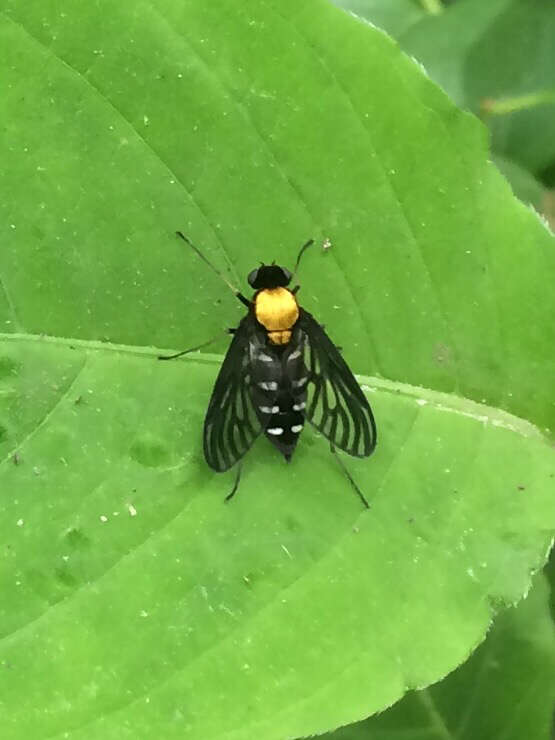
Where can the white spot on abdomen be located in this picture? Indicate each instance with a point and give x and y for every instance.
(275, 430)
(269, 409)
(299, 406)
(300, 382)
(296, 428)
(268, 385)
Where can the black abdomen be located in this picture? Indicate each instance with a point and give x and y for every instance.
(278, 390)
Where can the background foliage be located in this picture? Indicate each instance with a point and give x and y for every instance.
(496, 59)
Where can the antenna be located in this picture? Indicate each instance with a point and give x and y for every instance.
(234, 290)
(301, 252)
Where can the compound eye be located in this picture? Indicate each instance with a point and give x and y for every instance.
(252, 277)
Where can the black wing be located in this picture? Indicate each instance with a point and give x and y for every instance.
(231, 424)
(335, 405)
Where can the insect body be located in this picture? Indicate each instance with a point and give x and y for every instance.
(280, 371)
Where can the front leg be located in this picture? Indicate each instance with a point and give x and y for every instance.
(195, 349)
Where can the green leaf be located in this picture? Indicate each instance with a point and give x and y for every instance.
(133, 598)
(135, 604)
(505, 689)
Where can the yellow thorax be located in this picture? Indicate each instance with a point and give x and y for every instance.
(277, 310)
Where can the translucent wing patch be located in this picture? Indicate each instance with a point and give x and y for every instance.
(231, 424)
(335, 404)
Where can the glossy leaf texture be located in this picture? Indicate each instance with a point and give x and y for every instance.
(135, 603)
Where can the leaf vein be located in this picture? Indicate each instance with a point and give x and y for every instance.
(97, 91)
(389, 180)
(279, 167)
(11, 305)
(47, 416)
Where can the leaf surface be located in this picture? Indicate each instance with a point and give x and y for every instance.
(505, 689)
(135, 604)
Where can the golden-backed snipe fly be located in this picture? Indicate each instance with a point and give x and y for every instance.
(281, 369)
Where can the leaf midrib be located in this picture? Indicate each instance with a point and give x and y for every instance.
(446, 402)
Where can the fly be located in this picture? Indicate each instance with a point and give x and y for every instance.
(281, 370)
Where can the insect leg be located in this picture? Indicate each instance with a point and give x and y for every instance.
(350, 477)
(239, 295)
(235, 485)
(194, 349)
